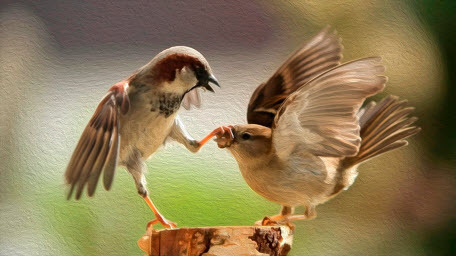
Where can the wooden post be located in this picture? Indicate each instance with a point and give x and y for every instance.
(218, 241)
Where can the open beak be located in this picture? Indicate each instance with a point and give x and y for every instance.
(192, 96)
(209, 79)
(213, 80)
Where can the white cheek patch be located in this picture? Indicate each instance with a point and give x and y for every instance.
(186, 76)
(192, 97)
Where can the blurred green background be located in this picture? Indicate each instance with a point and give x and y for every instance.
(59, 57)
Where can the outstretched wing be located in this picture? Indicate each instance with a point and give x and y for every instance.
(320, 54)
(98, 146)
(321, 117)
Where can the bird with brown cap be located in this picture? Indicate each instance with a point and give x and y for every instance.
(135, 118)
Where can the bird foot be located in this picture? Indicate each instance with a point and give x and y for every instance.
(277, 220)
(164, 222)
(266, 221)
(159, 218)
(222, 131)
(225, 136)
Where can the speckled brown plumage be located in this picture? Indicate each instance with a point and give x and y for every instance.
(135, 118)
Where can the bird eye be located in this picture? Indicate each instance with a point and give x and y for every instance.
(246, 136)
(199, 72)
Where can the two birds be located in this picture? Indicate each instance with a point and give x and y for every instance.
(307, 132)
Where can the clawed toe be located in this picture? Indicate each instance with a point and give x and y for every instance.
(224, 136)
(275, 221)
(266, 221)
(164, 222)
(259, 222)
(151, 223)
(169, 224)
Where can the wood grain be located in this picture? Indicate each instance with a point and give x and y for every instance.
(218, 241)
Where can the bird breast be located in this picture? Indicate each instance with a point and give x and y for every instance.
(295, 182)
(148, 123)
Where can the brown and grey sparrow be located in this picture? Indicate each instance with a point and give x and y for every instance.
(135, 118)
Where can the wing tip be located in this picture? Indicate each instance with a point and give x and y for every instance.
(70, 193)
(107, 185)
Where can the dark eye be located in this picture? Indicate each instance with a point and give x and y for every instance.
(199, 72)
(246, 136)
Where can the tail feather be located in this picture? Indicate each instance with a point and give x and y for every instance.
(384, 127)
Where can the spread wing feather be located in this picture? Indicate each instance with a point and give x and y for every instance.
(384, 127)
(98, 146)
(321, 116)
(321, 53)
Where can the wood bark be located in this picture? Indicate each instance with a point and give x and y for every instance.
(218, 241)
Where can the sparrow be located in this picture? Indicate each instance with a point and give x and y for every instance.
(307, 133)
(136, 117)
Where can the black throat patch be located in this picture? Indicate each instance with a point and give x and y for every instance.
(165, 103)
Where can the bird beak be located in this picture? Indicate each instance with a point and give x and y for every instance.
(210, 79)
(213, 80)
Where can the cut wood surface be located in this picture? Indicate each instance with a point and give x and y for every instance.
(218, 241)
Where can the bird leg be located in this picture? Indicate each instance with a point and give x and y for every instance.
(310, 213)
(180, 134)
(279, 219)
(136, 167)
(159, 218)
(285, 217)
(142, 191)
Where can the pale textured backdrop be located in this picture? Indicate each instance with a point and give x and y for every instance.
(58, 59)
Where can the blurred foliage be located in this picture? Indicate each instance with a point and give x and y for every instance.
(440, 18)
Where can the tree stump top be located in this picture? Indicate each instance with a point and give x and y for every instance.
(218, 241)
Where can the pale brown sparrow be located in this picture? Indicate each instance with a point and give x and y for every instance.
(307, 132)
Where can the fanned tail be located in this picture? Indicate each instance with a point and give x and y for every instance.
(384, 127)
